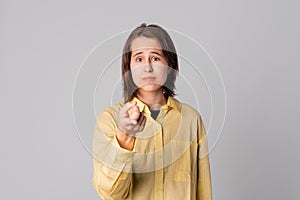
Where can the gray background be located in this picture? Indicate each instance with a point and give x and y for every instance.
(254, 43)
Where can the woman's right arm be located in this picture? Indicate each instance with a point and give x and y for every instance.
(112, 152)
(111, 183)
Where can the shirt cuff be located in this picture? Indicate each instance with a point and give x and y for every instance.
(122, 154)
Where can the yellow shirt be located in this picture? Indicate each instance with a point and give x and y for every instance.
(169, 159)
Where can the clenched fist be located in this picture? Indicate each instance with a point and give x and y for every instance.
(131, 121)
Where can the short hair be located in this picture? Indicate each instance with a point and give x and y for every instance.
(168, 49)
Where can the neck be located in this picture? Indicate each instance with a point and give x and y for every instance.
(154, 100)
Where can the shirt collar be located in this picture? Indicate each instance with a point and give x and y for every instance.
(172, 103)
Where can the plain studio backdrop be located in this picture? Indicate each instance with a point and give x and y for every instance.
(255, 45)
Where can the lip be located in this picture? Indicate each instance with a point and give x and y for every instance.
(149, 78)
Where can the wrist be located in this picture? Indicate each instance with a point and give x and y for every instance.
(125, 141)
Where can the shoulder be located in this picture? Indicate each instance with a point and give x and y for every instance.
(111, 112)
(192, 120)
(191, 115)
(187, 109)
(114, 107)
(194, 117)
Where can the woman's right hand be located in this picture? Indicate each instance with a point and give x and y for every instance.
(129, 125)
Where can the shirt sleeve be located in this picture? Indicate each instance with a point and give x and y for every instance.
(112, 177)
(204, 188)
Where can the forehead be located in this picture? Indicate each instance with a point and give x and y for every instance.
(143, 43)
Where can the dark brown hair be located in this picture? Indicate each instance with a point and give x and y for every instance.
(168, 49)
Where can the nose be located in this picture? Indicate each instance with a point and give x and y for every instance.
(148, 67)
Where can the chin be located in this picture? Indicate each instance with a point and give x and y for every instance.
(150, 88)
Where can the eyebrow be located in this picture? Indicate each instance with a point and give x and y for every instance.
(154, 52)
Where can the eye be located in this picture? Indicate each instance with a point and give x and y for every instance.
(138, 59)
(155, 59)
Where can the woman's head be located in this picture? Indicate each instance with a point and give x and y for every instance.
(166, 55)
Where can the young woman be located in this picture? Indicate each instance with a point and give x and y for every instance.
(150, 145)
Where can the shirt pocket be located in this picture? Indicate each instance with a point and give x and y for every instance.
(183, 164)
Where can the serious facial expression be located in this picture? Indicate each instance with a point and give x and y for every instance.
(148, 65)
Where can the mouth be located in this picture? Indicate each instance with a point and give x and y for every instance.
(149, 79)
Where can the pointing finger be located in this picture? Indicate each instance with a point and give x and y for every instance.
(126, 108)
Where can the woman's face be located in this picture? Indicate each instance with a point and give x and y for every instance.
(148, 65)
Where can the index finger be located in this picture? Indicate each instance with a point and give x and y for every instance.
(126, 108)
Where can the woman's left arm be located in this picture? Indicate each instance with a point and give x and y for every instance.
(204, 187)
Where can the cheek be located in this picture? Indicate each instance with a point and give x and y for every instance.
(135, 73)
(164, 78)
(164, 74)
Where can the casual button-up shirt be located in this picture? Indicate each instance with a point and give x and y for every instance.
(169, 159)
